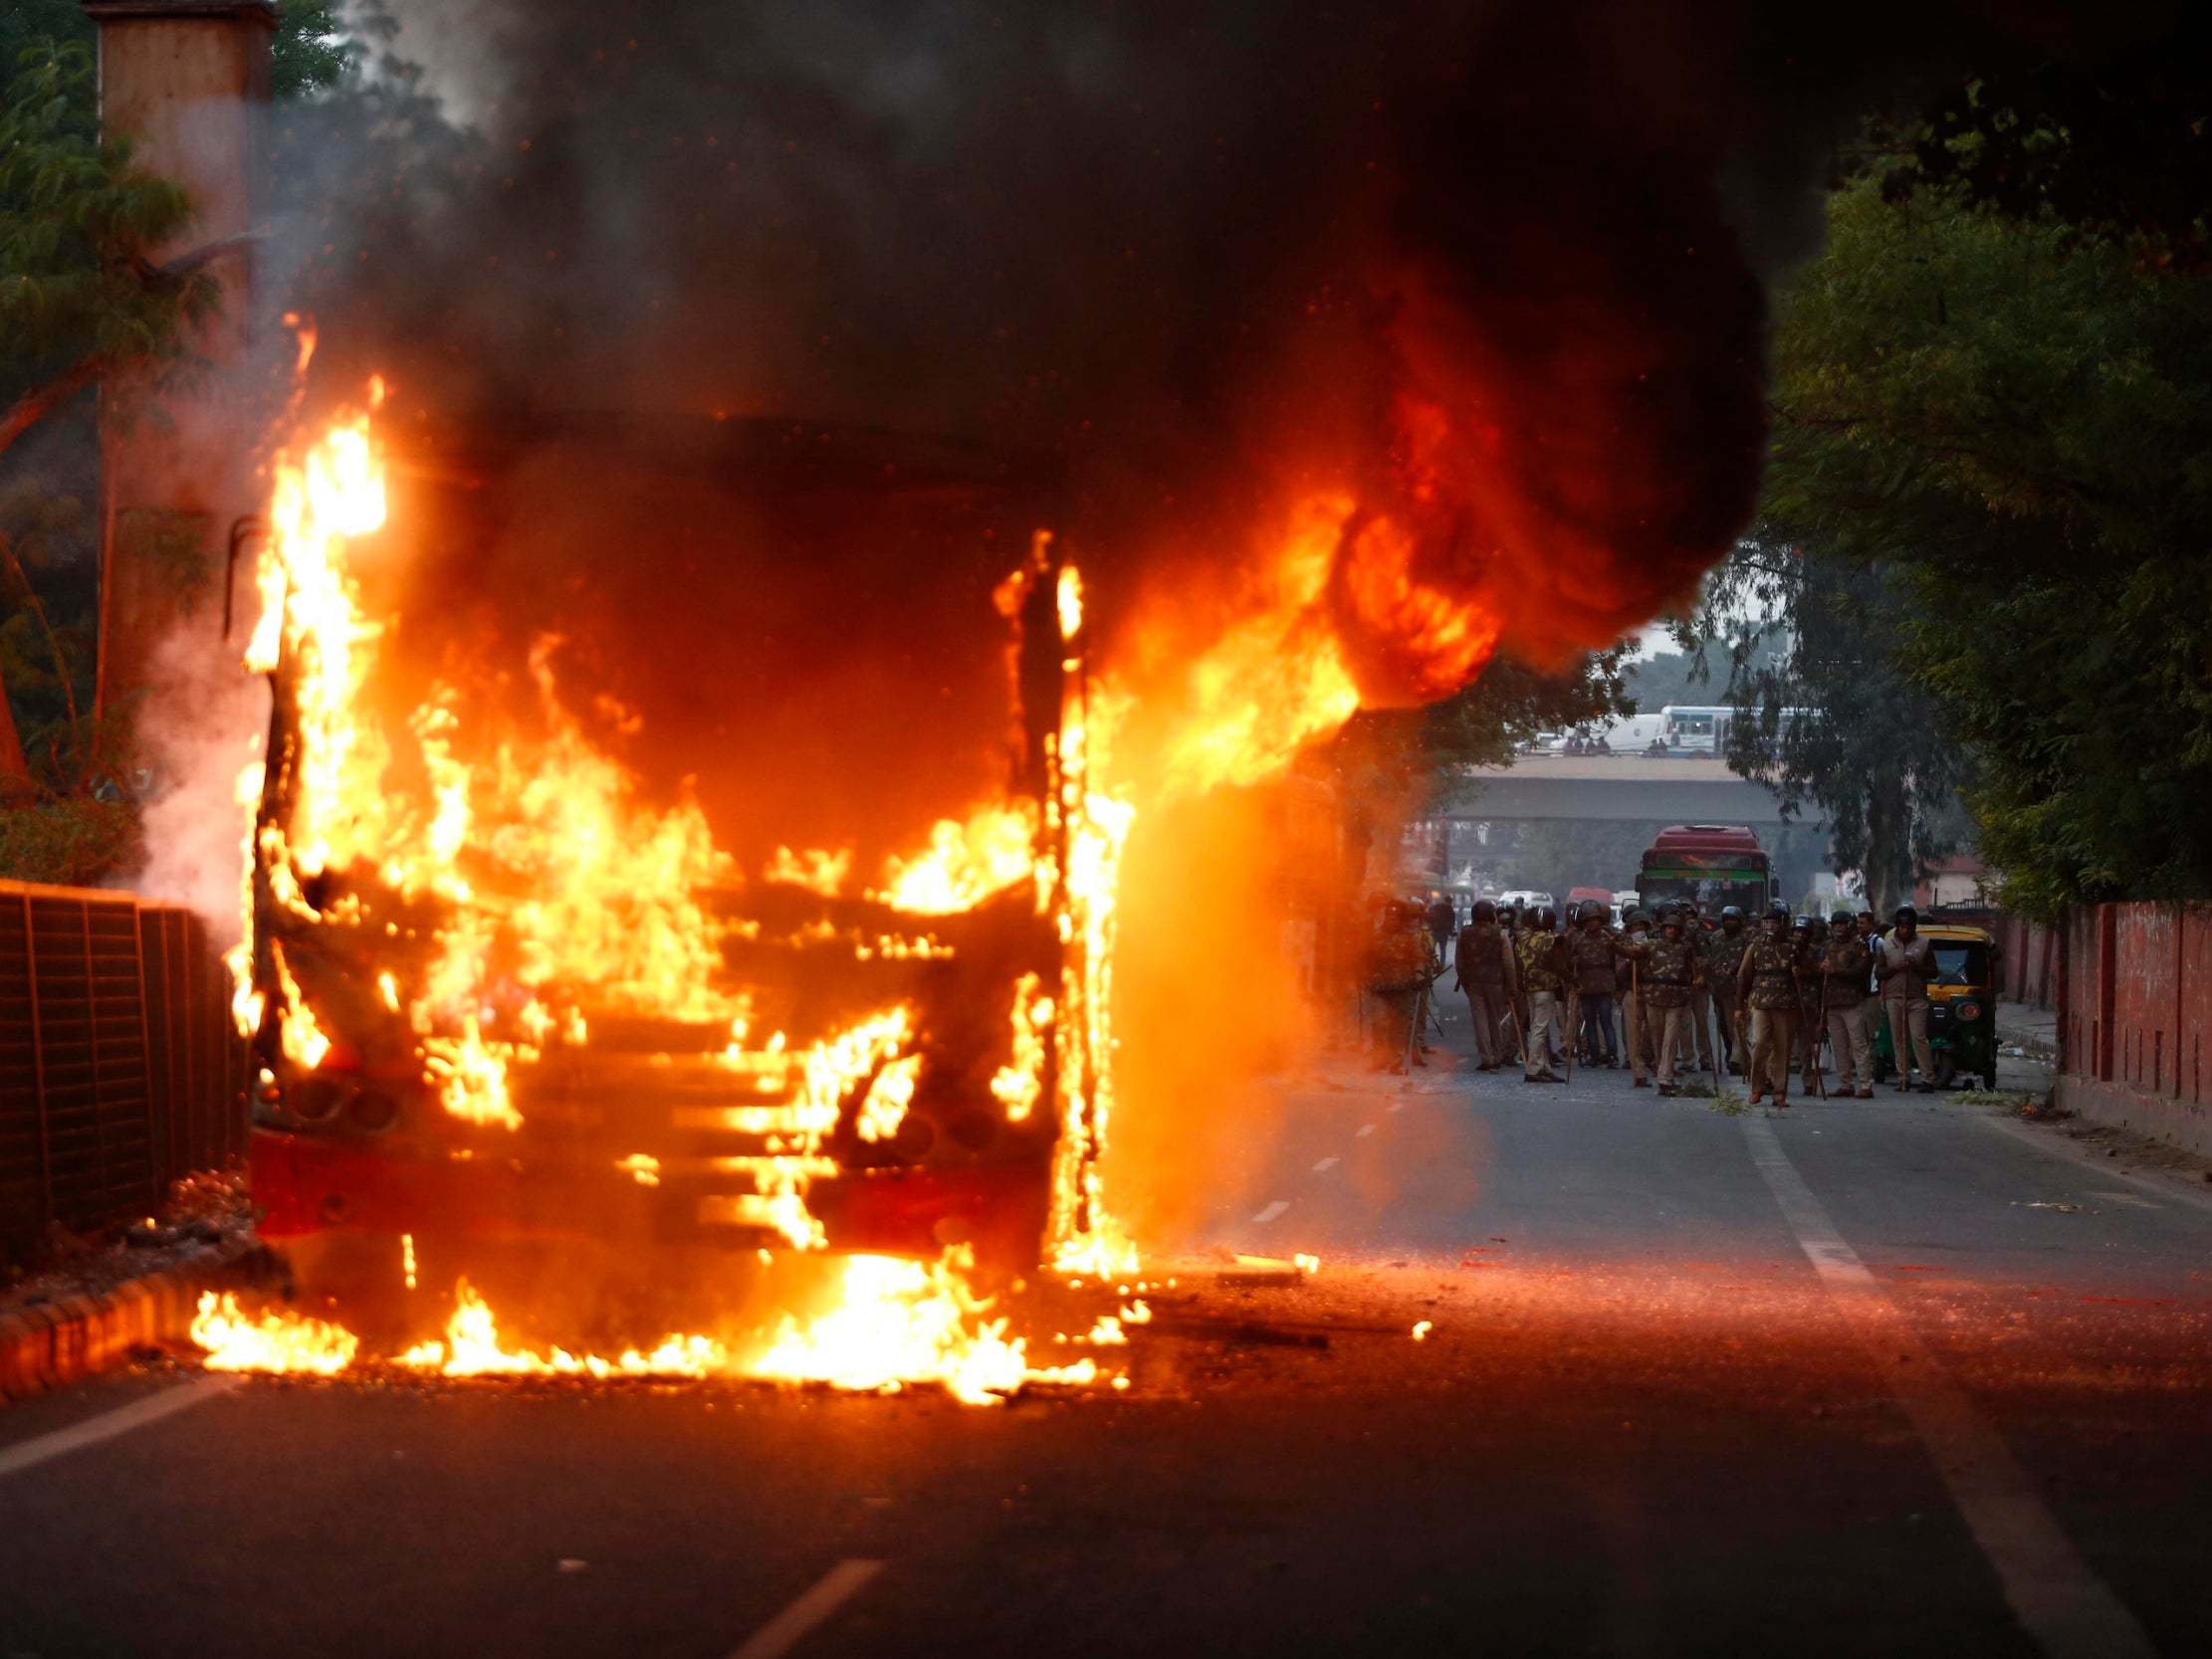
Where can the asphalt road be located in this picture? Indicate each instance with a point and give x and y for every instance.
(1839, 1381)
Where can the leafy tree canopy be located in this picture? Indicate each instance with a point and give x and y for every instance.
(2013, 422)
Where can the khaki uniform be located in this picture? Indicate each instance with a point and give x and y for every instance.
(1844, 968)
(1905, 972)
(1670, 973)
(1483, 961)
(1399, 959)
(1542, 983)
(1628, 980)
(1767, 983)
(1724, 955)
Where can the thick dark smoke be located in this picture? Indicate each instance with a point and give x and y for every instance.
(1500, 267)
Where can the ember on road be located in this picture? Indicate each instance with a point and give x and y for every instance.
(1646, 1419)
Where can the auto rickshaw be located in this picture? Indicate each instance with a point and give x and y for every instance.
(1962, 1009)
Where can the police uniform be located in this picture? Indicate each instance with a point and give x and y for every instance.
(1844, 967)
(1628, 979)
(1724, 955)
(1767, 983)
(1483, 961)
(1541, 985)
(1906, 970)
(1671, 974)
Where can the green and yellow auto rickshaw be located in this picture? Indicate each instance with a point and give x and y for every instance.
(1962, 1009)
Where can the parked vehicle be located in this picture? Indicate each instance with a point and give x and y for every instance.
(1962, 1010)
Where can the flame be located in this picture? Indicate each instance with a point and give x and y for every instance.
(812, 869)
(303, 1040)
(1020, 1084)
(472, 1347)
(966, 863)
(276, 1341)
(900, 1322)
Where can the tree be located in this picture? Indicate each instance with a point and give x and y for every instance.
(2013, 419)
(1826, 714)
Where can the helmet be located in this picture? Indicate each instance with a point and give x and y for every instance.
(1639, 918)
(1843, 919)
(1731, 913)
(1546, 920)
(1779, 913)
(1592, 910)
(1483, 911)
(1905, 912)
(1671, 917)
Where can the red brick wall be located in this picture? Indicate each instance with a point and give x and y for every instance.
(2138, 998)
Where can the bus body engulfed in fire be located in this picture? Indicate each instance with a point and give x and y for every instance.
(907, 1070)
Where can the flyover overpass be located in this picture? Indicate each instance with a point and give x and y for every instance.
(1617, 788)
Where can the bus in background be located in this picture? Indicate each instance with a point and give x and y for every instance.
(1713, 864)
(1695, 729)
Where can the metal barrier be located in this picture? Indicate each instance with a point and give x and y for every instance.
(119, 1067)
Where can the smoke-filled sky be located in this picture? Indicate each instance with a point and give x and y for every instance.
(1497, 269)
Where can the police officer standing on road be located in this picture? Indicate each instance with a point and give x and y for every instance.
(1628, 980)
(1812, 1026)
(1724, 955)
(1544, 968)
(1593, 951)
(1483, 961)
(1844, 966)
(1905, 963)
(1444, 922)
(1766, 984)
(1671, 971)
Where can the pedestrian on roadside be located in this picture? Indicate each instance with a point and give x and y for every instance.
(1844, 966)
(1724, 955)
(1904, 964)
(1483, 962)
(1594, 951)
(1544, 969)
(1766, 984)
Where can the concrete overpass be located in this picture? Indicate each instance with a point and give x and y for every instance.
(1613, 788)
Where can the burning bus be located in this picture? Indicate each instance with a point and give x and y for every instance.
(496, 992)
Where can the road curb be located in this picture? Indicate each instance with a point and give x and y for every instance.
(56, 1343)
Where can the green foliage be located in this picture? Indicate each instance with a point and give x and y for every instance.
(72, 843)
(312, 52)
(2016, 422)
(1827, 717)
(75, 220)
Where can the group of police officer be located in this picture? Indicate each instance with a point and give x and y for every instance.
(1681, 983)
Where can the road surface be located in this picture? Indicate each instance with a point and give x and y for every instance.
(1898, 1376)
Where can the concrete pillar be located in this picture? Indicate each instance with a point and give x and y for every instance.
(187, 81)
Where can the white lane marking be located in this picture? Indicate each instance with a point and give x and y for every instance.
(1400, 1106)
(1271, 1211)
(1366, 1129)
(2064, 1607)
(2130, 1199)
(122, 1420)
(1324, 1167)
(791, 1627)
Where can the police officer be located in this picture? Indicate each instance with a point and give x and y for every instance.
(1724, 955)
(1844, 966)
(1766, 984)
(1671, 971)
(1812, 1027)
(1483, 961)
(1593, 951)
(1905, 963)
(1628, 982)
(1543, 965)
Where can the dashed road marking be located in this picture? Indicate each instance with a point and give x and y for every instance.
(1271, 1211)
(109, 1424)
(1366, 1129)
(2130, 1199)
(789, 1627)
(2064, 1607)
(1324, 1167)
